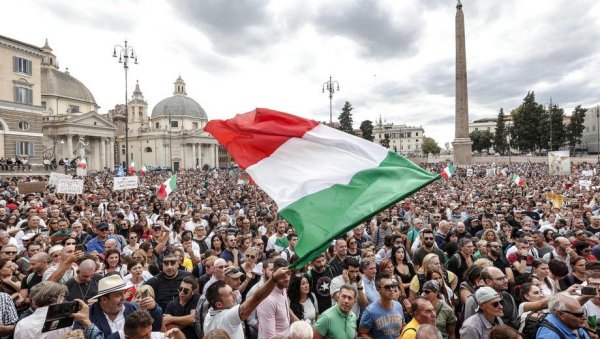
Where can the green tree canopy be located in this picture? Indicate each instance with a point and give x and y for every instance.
(575, 127)
(366, 127)
(482, 140)
(430, 146)
(345, 118)
(500, 135)
(527, 124)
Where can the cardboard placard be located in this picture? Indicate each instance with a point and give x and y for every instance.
(54, 177)
(31, 187)
(123, 183)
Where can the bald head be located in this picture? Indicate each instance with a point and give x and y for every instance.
(110, 244)
(218, 272)
(38, 263)
(86, 271)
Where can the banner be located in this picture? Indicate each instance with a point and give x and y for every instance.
(587, 173)
(69, 186)
(490, 172)
(469, 172)
(559, 163)
(123, 183)
(556, 199)
(54, 177)
(585, 183)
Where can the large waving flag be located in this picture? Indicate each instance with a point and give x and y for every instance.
(324, 181)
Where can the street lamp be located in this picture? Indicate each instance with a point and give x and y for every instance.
(125, 52)
(331, 87)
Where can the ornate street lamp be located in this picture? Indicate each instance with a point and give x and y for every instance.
(331, 87)
(125, 52)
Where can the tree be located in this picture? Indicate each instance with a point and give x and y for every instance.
(345, 118)
(557, 134)
(482, 140)
(430, 146)
(385, 142)
(575, 127)
(366, 127)
(528, 129)
(500, 144)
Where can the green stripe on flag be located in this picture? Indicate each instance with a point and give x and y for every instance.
(322, 216)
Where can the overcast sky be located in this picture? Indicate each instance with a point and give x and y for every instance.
(391, 58)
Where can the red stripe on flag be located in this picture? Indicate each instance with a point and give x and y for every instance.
(253, 136)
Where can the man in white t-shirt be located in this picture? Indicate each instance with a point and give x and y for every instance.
(226, 314)
(350, 275)
(592, 306)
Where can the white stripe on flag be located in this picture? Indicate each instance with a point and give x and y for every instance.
(322, 158)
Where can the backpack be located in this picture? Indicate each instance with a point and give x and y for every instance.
(201, 311)
(534, 321)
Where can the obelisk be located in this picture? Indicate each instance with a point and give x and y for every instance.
(462, 143)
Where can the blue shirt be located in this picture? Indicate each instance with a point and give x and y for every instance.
(383, 323)
(546, 333)
(98, 245)
(370, 290)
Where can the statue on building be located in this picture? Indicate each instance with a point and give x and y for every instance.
(81, 145)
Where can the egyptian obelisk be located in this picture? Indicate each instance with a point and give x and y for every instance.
(462, 143)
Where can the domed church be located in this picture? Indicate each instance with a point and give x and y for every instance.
(172, 136)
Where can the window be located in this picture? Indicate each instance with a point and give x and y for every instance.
(21, 65)
(416, 134)
(24, 148)
(73, 109)
(148, 149)
(174, 123)
(194, 125)
(23, 95)
(157, 125)
(43, 104)
(123, 149)
(141, 116)
(23, 125)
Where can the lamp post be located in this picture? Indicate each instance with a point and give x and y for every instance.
(125, 52)
(331, 86)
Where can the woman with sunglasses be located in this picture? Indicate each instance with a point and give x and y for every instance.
(250, 259)
(445, 319)
(352, 250)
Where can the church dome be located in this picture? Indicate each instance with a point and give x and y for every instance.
(179, 104)
(62, 84)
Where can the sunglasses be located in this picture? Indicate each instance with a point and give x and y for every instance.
(495, 304)
(576, 314)
(170, 262)
(428, 238)
(184, 290)
(11, 252)
(390, 287)
(250, 256)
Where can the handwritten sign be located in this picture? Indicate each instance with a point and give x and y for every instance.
(69, 186)
(31, 187)
(123, 183)
(54, 177)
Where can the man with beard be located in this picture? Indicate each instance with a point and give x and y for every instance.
(336, 263)
(319, 278)
(84, 284)
(278, 241)
(166, 284)
(338, 322)
(494, 253)
(274, 312)
(428, 246)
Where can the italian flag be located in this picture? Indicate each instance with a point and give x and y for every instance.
(323, 180)
(518, 180)
(143, 170)
(447, 172)
(82, 164)
(167, 187)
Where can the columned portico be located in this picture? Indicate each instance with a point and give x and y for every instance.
(102, 153)
(69, 147)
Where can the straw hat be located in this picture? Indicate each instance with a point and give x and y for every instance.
(111, 283)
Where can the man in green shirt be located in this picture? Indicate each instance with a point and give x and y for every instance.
(338, 322)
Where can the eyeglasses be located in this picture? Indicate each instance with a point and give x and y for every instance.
(576, 314)
(352, 243)
(428, 238)
(390, 287)
(184, 290)
(250, 256)
(170, 262)
(495, 304)
(11, 252)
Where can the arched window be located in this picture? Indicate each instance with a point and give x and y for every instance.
(23, 125)
(148, 149)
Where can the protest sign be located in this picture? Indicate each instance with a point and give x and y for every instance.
(54, 177)
(69, 186)
(123, 183)
(31, 187)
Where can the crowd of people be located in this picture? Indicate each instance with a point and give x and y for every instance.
(474, 256)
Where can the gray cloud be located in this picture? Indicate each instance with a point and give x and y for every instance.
(108, 20)
(373, 27)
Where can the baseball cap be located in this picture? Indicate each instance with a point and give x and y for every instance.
(431, 285)
(484, 294)
(233, 272)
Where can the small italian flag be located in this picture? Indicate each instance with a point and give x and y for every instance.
(448, 171)
(143, 170)
(131, 168)
(82, 164)
(167, 187)
(518, 180)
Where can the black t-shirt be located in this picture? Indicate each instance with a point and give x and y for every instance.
(319, 285)
(35, 279)
(82, 291)
(175, 309)
(167, 290)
